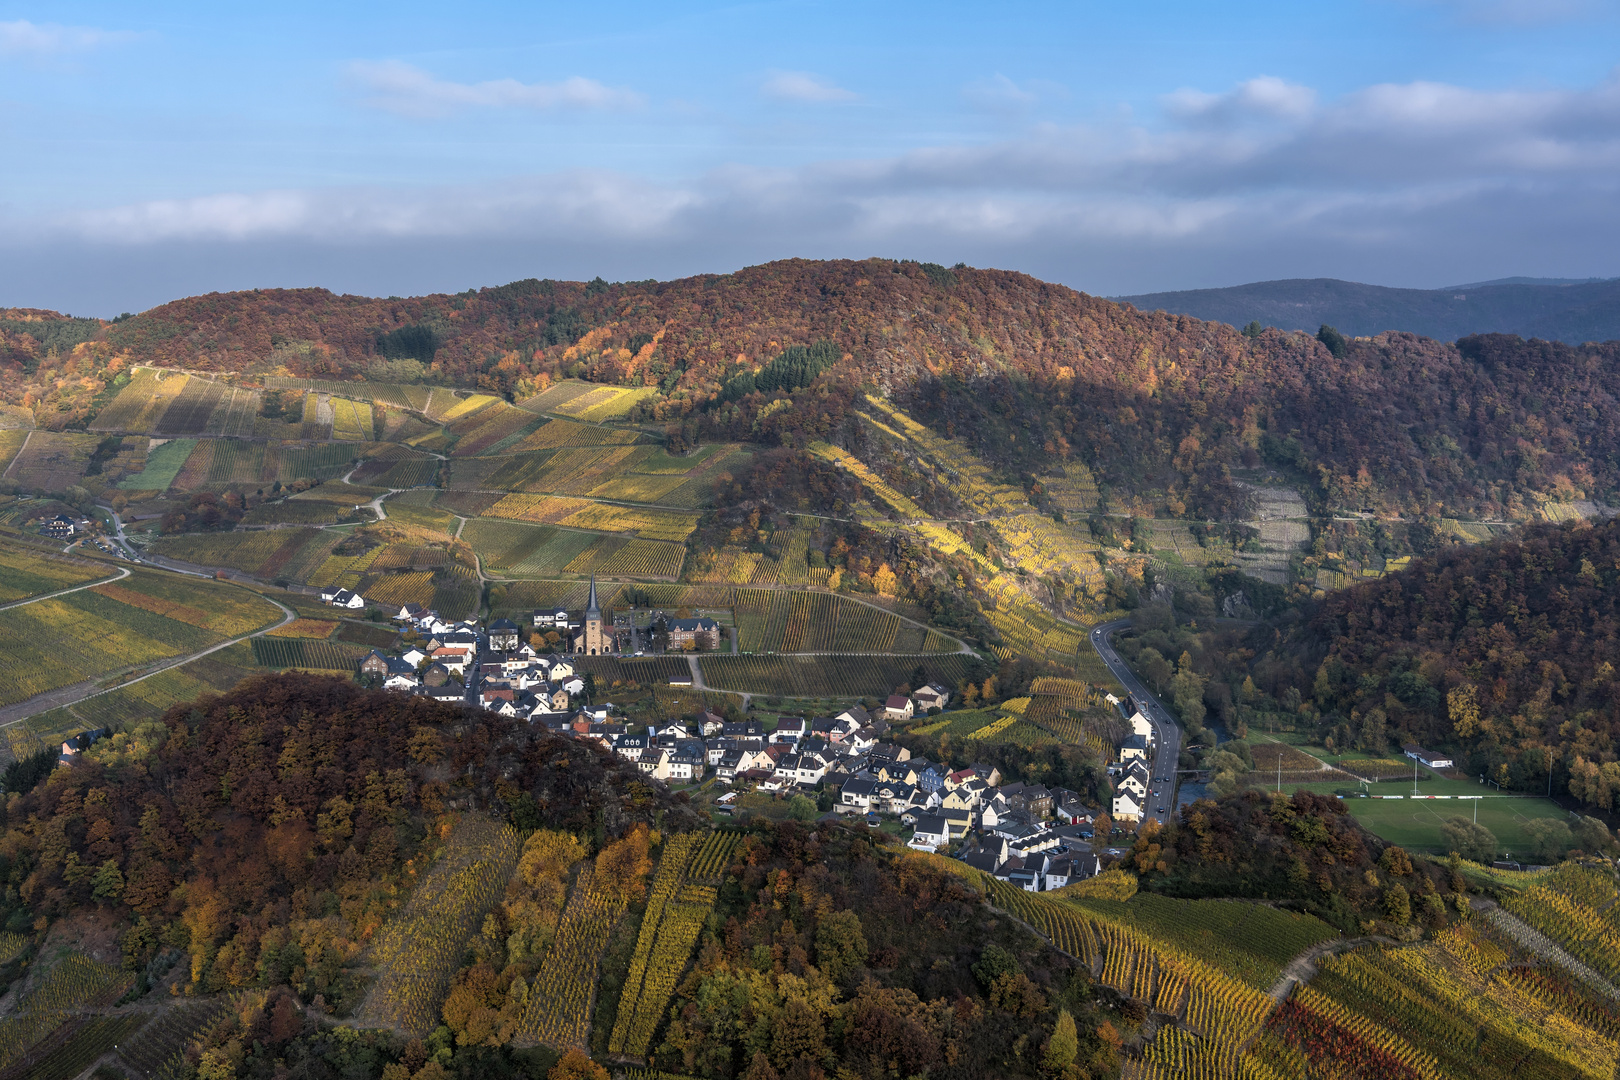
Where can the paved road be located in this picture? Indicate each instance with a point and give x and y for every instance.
(1166, 732)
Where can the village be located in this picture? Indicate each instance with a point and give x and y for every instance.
(843, 765)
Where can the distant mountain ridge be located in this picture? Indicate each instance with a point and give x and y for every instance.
(1546, 308)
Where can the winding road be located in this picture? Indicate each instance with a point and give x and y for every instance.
(1161, 800)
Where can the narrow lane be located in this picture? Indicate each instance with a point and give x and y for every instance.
(1161, 801)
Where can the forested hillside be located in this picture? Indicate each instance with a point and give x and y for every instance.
(287, 811)
(305, 878)
(1162, 408)
(1503, 654)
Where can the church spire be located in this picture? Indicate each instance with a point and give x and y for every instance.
(593, 610)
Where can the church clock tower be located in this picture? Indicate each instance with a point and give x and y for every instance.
(592, 641)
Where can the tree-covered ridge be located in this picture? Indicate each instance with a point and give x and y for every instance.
(1028, 373)
(269, 831)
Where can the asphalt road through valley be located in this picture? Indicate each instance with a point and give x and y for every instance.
(1166, 732)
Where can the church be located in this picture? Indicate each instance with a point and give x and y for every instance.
(593, 639)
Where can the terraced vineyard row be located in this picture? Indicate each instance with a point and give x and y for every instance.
(418, 951)
(306, 653)
(1216, 1013)
(560, 1000)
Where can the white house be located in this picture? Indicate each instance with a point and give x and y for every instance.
(1134, 780)
(1141, 725)
(897, 708)
(932, 832)
(1127, 807)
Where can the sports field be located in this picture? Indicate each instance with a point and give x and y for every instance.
(1415, 823)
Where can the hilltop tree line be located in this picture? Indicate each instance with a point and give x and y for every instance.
(1029, 373)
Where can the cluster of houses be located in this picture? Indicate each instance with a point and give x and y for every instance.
(1132, 775)
(1036, 837)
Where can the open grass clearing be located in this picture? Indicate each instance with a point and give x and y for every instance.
(1415, 823)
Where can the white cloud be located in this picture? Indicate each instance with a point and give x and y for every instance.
(24, 38)
(804, 88)
(1264, 96)
(409, 91)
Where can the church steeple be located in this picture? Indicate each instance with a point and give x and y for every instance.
(593, 610)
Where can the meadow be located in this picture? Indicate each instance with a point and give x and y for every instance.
(163, 464)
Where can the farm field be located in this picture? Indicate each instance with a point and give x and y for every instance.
(306, 654)
(11, 441)
(682, 895)
(510, 548)
(1213, 1011)
(141, 619)
(553, 434)
(560, 999)
(647, 670)
(649, 524)
(25, 573)
(141, 700)
(784, 621)
(282, 552)
(171, 403)
(163, 464)
(52, 460)
(1468, 1003)
(293, 512)
(826, 676)
(587, 401)
(395, 466)
(74, 981)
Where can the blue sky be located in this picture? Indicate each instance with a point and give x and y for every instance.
(165, 149)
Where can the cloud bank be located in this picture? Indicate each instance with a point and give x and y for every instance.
(1394, 182)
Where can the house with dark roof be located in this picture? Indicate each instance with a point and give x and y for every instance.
(855, 797)
(503, 635)
(932, 832)
(78, 744)
(60, 527)
(897, 708)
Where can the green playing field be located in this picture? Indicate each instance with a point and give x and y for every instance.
(1415, 823)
